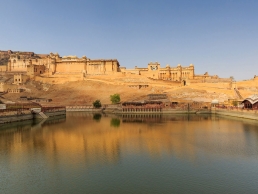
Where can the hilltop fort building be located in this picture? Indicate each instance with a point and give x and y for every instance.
(37, 64)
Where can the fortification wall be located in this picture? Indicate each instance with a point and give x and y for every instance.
(20, 65)
(70, 66)
(110, 66)
(18, 62)
(3, 68)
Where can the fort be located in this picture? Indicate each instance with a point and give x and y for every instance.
(74, 81)
(50, 64)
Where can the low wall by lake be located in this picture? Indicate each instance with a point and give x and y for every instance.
(8, 116)
(117, 110)
(50, 114)
(82, 109)
(12, 116)
(241, 113)
(15, 117)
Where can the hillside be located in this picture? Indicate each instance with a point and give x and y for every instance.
(67, 91)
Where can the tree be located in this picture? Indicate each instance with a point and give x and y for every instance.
(97, 104)
(115, 98)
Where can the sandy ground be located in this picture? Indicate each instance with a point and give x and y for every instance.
(64, 90)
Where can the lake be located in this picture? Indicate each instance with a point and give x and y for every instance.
(86, 153)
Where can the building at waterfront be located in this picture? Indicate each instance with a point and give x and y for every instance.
(251, 102)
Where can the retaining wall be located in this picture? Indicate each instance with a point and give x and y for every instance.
(50, 114)
(14, 118)
(247, 114)
(82, 109)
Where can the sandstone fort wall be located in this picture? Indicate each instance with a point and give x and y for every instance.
(22, 61)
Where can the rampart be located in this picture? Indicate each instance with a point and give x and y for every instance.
(17, 61)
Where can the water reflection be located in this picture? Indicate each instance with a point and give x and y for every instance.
(87, 141)
(97, 117)
(154, 118)
(180, 135)
(115, 122)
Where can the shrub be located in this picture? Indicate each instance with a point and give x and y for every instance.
(97, 104)
(115, 98)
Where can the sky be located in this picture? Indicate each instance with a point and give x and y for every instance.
(217, 36)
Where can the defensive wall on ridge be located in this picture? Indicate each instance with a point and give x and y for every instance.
(30, 63)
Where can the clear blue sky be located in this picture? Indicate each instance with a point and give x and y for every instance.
(218, 36)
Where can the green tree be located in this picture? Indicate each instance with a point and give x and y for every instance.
(115, 98)
(97, 104)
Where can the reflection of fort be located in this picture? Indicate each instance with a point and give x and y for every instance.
(83, 140)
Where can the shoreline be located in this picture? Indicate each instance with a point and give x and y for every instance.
(237, 113)
(29, 116)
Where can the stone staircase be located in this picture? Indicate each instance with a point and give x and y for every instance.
(43, 115)
(237, 93)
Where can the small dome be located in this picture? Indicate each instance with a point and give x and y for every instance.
(179, 65)
(191, 65)
(167, 65)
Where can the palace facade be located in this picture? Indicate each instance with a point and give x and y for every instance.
(21, 61)
(36, 64)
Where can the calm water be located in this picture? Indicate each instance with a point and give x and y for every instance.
(86, 153)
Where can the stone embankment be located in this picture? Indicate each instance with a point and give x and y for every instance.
(240, 113)
(15, 117)
(82, 109)
(8, 116)
(91, 109)
(119, 110)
